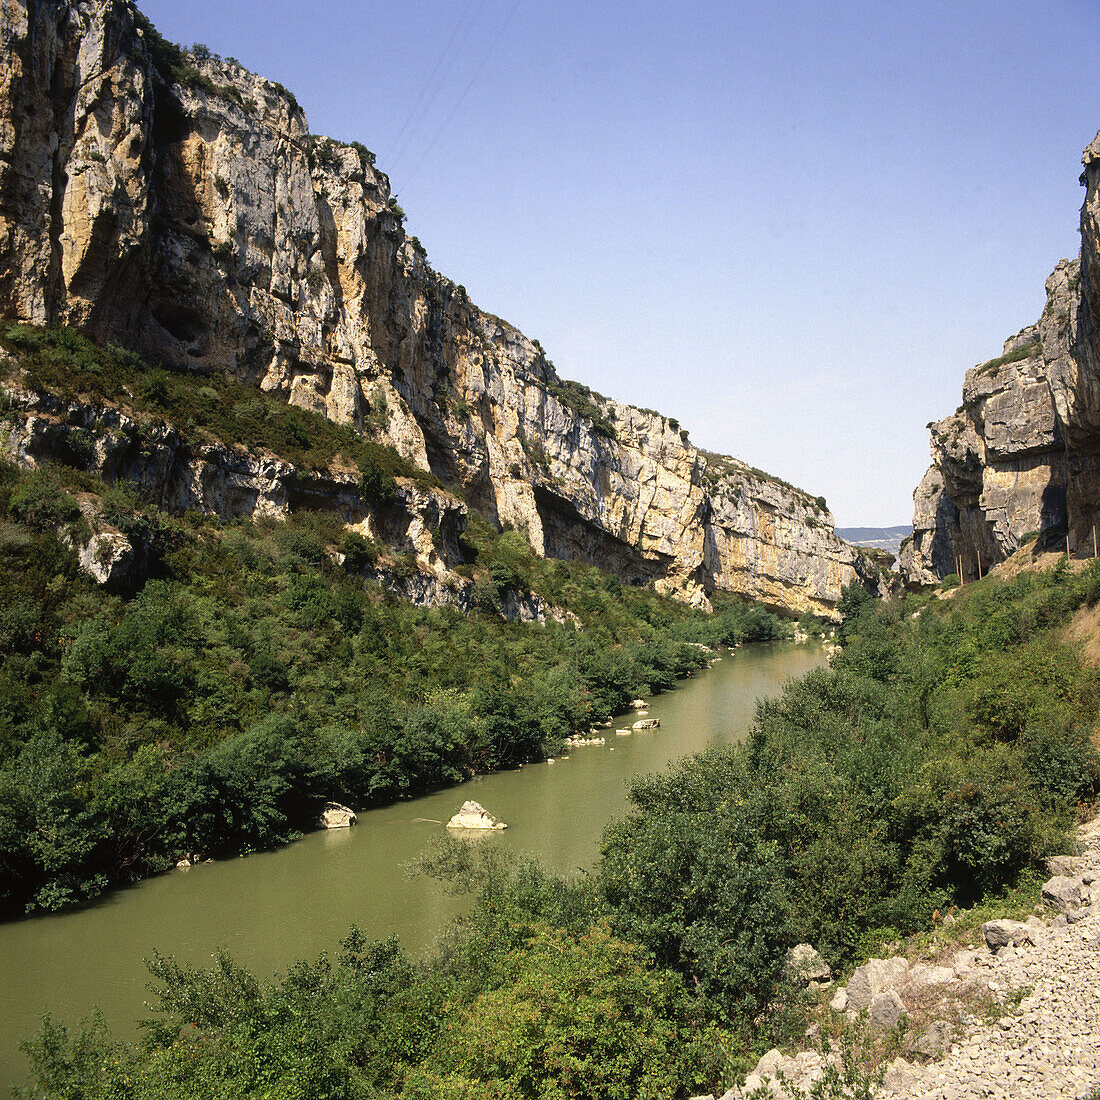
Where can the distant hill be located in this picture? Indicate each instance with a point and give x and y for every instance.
(878, 538)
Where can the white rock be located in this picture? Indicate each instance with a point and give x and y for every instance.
(875, 976)
(931, 975)
(1001, 933)
(335, 816)
(804, 964)
(1063, 892)
(474, 816)
(886, 1009)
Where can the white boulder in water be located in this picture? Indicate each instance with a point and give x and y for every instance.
(474, 816)
(336, 816)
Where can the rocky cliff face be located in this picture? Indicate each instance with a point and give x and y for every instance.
(178, 206)
(1022, 453)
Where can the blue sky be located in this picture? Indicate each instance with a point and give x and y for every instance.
(792, 226)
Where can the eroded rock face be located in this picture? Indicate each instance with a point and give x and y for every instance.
(1022, 452)
(202, 225)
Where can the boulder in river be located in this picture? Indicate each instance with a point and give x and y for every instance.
(638, 703)
(474, 816)
(647, 724)
(336, 816)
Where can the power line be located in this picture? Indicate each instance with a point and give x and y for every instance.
(465, 91)
(440, 72)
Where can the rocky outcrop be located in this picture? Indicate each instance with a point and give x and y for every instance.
(1016, 1017)
(184, 475)
(804, 965)
(1021, 455)
(177, 205)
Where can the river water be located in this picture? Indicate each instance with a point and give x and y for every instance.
(273, 907)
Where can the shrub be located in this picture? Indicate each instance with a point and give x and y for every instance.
(42, 504)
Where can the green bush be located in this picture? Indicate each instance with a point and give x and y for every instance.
(41, 504)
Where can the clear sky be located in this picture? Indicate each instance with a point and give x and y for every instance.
(791, 225)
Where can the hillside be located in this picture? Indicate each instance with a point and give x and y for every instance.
(177, 205)
(176, 682)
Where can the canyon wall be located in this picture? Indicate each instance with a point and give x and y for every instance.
(177, 205)
(1021, 455)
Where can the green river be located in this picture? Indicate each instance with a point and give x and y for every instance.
(275, 906)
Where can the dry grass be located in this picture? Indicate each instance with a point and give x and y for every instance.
(1029, 559)
(1083, 634)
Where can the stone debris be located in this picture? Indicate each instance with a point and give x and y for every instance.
(875, 976)
(1064, 893)
(805, 965)
(886, 1009)
(474, 816)
(335, 816)
(1007, 933)
(932, 1042)
(1045, 1047)
(931, 975)
(1066, 865)
(647, 724)
(1043, 981)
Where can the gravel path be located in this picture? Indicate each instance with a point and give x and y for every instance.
(1047, 1047)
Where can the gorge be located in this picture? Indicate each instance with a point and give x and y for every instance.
(178, 206)
(288, 523)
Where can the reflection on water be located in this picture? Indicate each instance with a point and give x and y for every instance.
(270, 908)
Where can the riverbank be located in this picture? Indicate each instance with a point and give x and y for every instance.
(261, 672)
(299, 900)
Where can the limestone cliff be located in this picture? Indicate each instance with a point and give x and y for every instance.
(177, 205)
(1021, 455)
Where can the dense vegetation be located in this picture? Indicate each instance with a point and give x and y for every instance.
(257, 672)
(941, 755)
(531, 997)
(261, 669)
